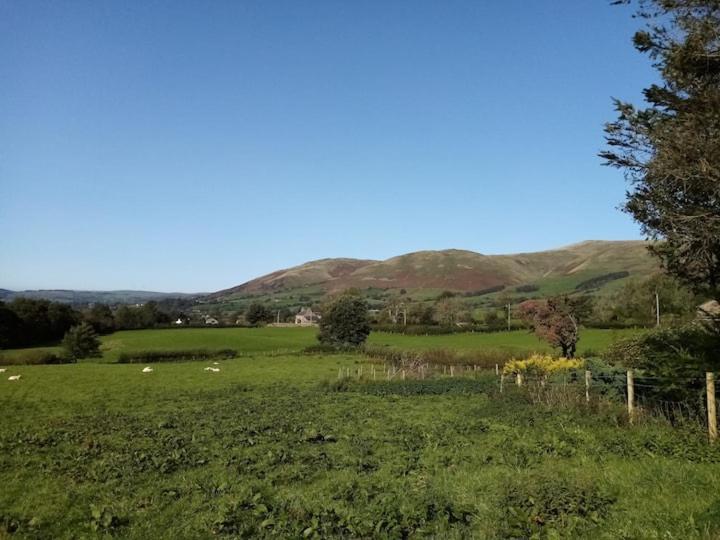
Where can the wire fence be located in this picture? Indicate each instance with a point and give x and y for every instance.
(678, 397)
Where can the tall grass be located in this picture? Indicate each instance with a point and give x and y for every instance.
(482, 358)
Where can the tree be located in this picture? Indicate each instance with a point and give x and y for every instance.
(670, 149)
(81, 341)
(257, 313)
(634, 302)
(344, 321)
(447, 311)
(556, 320)
(10, 327)
(127, 317)
(42, 321)
(421, 314)
(493, 321)
(101, 318)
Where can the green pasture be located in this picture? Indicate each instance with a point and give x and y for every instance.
(591, 339)
(275, 446)
(287, 340)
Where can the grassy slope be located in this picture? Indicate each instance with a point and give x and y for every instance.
(426, 273)
(182, 453)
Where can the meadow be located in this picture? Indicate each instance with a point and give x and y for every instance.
(291, 340)
(274, 445)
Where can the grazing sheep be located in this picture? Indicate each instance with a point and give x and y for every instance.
(216, 363)
(213, 369)
(14, 377)
(147, 369)
(3, 370)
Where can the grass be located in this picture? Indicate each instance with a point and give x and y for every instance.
(519, 340)
(268, 447)
(264, 340)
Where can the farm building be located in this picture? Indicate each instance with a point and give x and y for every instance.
(306, 317)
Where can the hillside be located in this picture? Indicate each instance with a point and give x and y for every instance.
(562, 269)
(91, 297)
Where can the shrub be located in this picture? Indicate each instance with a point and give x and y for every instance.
(542, 365)
(143, 357)
(436, 330)
(322, 348)
(673, 351)
(674, 361)
(527, 288)
(484, 358)
(31, 358)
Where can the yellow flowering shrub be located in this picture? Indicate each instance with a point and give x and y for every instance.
(542, 365)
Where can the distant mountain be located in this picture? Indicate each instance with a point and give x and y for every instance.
(564, 269)
(92, 297)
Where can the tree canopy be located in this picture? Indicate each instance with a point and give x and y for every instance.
(669, 149)
(344, 321)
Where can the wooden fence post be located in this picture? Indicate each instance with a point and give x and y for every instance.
(452, 371)
(518, 379)
(339, 373)
(497, 370)
(587, 386)
(631, 395)
(403, 374)
(711, 406)
(502, 380)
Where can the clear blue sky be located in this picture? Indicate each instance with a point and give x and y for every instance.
(191, 146)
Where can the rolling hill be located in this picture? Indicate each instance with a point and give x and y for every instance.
(557, 270)
(91, 297)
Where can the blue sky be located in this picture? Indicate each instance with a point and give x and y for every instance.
(191, 146)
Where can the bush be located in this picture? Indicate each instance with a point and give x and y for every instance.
(670, 351)
(527, 288)
(258, 313)
(146, 357)
(437, 330)
(670, 362)
(322, 348)
(32, 358)
(484, 358)
(540, 365)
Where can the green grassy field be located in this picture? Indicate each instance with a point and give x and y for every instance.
(276, 446)
(259, 340)
(268, 447)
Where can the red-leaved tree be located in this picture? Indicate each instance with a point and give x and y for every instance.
(556, 320)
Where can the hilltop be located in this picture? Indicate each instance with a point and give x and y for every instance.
(590, 265)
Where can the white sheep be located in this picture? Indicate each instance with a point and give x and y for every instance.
(14, 377)
(3, 370)
(147, 369)
(213, 369)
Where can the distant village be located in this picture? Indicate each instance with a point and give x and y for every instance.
(304, 317)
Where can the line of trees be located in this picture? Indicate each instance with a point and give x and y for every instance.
(26, 322)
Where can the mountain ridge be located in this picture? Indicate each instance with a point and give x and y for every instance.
(456, 269)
